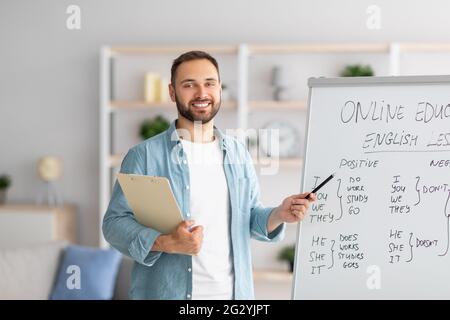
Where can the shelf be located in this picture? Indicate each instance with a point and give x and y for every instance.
(272, 275)
(22, 224)
(116, 159)
(285, 48)
(122, 105)
(33, 207)
(271, 104)
(173, 49)
(320, 48)
(282, 162)
(424, 47)
(130, 105)
(125, 105)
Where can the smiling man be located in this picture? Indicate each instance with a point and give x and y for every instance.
(212, 176)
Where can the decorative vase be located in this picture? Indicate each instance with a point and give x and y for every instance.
(280, 83)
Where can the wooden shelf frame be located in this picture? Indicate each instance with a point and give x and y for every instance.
(320, 48)
(275, 105)
(242, 106)
(115, 160)
(145, 50)
(126, 105)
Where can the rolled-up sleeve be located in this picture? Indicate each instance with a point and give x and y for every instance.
(120, 227)
(260, 217)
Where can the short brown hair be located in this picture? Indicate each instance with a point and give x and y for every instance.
(189, 56)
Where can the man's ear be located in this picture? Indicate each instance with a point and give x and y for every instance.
(172, 92)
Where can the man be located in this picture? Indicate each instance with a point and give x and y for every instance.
(214, 182)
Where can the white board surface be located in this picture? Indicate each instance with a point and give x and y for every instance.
(380, 229)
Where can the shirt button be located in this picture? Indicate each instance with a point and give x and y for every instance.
(184, 161)
(188, 214)
(189, 269)
(188, 296)
(187, 187)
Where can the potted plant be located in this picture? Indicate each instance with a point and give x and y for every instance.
(225, 92)
(5, 182)
(357, 70)
(288, 254)
(152, 127)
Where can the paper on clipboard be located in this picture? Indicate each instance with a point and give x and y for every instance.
(152, 201)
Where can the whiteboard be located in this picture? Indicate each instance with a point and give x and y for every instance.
(380, 228)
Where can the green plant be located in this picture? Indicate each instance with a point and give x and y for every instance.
(5, 181)
(357, 70)
(152, 127)
(288, 254)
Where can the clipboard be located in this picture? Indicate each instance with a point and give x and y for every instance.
(152, 201)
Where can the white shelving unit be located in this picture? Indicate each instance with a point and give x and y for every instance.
(242, 105)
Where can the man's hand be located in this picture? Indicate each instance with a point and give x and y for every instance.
(292, 209)
(183, 239)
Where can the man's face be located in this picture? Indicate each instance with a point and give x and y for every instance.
(196, 90)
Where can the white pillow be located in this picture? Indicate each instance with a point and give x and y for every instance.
(28, 273)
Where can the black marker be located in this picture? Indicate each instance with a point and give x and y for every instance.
(322, 184)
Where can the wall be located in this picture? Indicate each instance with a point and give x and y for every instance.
(49, 74)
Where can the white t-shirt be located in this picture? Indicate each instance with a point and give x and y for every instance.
(212, 268)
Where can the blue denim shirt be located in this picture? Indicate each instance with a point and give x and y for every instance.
(159, 275)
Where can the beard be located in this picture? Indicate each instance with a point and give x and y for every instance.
(205, 116)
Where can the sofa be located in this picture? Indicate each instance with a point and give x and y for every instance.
(31, 272)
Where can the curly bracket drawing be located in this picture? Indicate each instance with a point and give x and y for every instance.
(340, 199)
(418, 191)
(447, 215)
(332, 254)
(410, 247)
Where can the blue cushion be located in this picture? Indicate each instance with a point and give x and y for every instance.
(86, 273)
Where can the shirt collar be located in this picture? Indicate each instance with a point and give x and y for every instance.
(173, 138)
